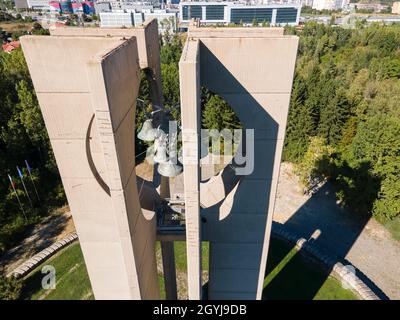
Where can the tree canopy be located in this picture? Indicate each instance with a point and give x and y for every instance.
(346, 92)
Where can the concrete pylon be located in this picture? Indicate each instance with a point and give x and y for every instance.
(148, 59)
(87, 88)
(252, 70)
(148, 49)
(189, 68)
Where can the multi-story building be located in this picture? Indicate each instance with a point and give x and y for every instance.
(383, 19)
(63, 6)
(129, 18)
(66, 6)
(102, 7)
(307, 3)
(396, 7)
(88, 7)
(330, 4)
(38, 4)
(21, 4)
(55, 6)
(375, 7)
(230, 12)
(137, 6)
(116, 19)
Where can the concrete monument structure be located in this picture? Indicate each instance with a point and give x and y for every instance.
(87, 82)
(252, 70)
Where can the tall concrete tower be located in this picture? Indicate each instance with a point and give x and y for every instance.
(87, 83)
(252, 70)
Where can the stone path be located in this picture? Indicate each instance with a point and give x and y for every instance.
(53, 228)
(31, 264)
(366, 243)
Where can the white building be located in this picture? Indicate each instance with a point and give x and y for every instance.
(32, 4)
(128, 4)
(116, 19)
(396, 7)
(330, 4)
(164, 18)
(129, 18)
(308, 3)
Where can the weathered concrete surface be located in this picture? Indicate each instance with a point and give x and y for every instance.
(189, 69)
(87, 89)
(148, 48)
(253, 73)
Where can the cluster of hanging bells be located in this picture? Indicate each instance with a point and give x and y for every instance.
(167, 165)
(167, 160)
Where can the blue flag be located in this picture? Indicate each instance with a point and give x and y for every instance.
(28, 167)
(20, 173)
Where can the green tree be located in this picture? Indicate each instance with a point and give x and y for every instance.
(219, 115)
(315, 163)
(346, 92)
(170, 77)
(377, 141)
(298, 128)
(387, 205)
(10, 288)
(38, 30)
(333, 118)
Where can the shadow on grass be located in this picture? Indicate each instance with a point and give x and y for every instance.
(32, 285)
(72, 280)
(290, 277)
(338, 228)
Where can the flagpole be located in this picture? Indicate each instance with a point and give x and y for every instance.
(19, 201)
(26, 191)
(33, 183)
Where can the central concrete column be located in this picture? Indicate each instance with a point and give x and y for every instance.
(167, 251)
(190, 109)
(168, 260)
(252, 70)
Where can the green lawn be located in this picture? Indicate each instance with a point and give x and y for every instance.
(180, 255)
(287, 276)
(394, 227)
(72, 281)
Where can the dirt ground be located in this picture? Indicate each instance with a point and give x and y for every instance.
(15, 26)
(55, 227)
(364, 242)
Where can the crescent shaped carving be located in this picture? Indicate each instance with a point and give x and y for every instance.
(89, 157)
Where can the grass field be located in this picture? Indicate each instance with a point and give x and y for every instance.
(394, 228)
(72, 281)
(287, 276)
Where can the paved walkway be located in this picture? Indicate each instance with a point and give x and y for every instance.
(52, 229)
(366, 243)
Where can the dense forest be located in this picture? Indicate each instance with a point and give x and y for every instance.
(23, 137)
(344, 122)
